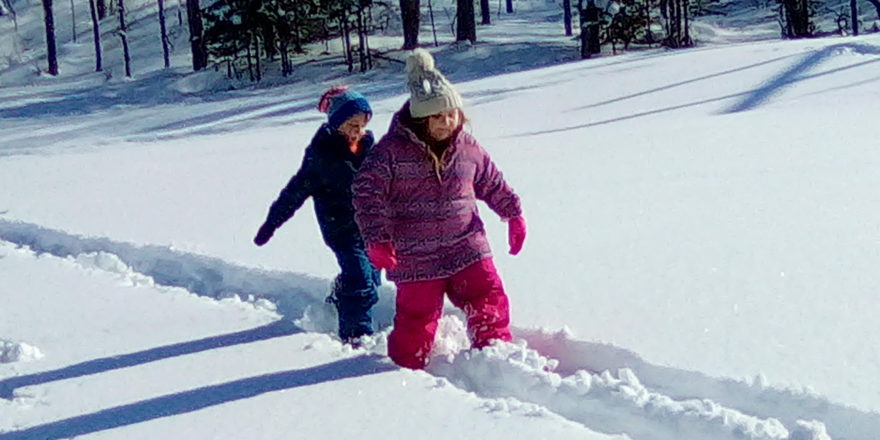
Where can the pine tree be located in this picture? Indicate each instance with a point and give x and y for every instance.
(630, 23)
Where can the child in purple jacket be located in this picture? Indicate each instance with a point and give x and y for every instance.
(415, 203)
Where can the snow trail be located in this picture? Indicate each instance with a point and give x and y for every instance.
(605, 388)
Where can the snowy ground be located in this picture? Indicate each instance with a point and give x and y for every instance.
(701, 261)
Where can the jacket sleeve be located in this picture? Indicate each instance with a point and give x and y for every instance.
(292, 197)
(490, 187)
(370, 190)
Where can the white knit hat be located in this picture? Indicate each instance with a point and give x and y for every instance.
(430, 92)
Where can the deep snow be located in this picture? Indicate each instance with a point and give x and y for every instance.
(700, 262)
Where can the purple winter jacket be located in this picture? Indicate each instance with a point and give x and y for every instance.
(426, 206)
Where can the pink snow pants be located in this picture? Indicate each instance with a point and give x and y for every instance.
(476, 289)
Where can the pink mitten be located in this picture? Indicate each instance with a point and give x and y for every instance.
(516, 234)
(382, 255)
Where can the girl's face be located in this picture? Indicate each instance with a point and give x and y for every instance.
(355, 127)
(442, 125)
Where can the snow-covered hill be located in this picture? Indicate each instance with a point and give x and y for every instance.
(701, 260)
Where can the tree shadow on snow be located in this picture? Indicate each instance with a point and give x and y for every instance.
(751, 99)
(795, 73)
(276, 329)
(200, 398)
(680, 83)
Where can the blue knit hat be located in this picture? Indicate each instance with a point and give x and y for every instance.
(340, 104)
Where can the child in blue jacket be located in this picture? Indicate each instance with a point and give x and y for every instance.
(330, 163)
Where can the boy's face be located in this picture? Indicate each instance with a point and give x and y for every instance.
(442, 125)
(355, 127)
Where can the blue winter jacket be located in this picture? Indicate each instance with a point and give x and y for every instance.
(326, 174)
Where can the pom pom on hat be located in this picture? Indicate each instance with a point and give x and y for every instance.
(419, 61)
(324, 102)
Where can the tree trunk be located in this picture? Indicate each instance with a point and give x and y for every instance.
(410, 14)
(585, 31)
(566, 16)
(249, 62)
(123, 35)
(592, 17)
(853, 4)
(325, 25)
(102, 9)
(679, 18)
(676, 25)
(467, 25)
(876, 4)
(163, 33)
(7, 5)
(51, 51)
(367, 24)
(73, 20)
(6, 8)
(96, 36)
(196, 35)
(297, 39)
(346, 41)
(434, 26)
(486, 12)
(180, 14)
(285, 58)
(797, 16)
(510, 6)
(791, 12)
(257, 56)
(269, 37)
(687, 42)
(678, 32)
(362, 42)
